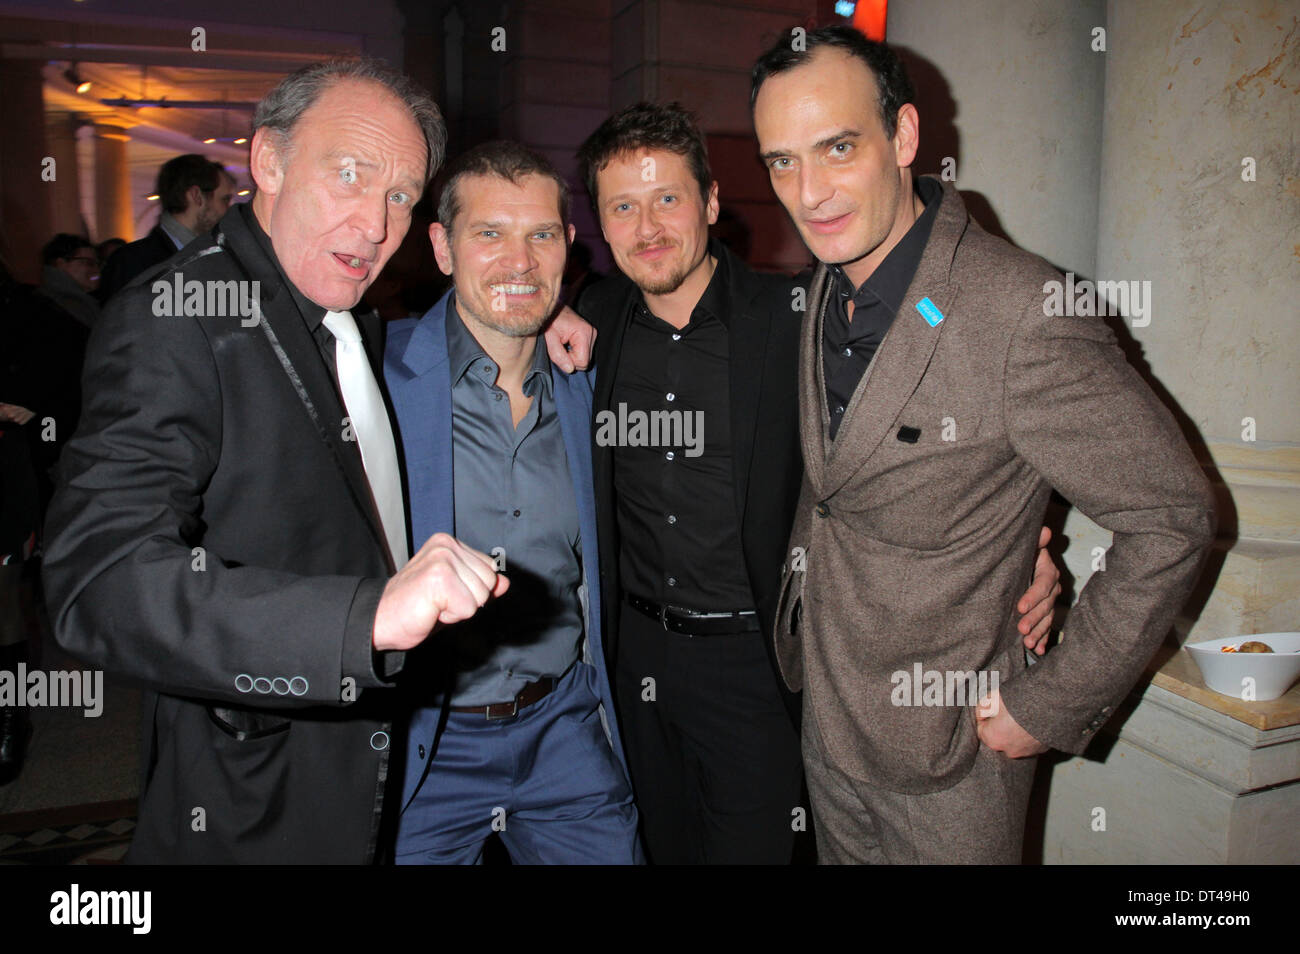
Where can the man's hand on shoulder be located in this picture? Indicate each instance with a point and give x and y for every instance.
(1036, 605)
(1000, 732)
(567, 328)
(445, 582)
(14, 414)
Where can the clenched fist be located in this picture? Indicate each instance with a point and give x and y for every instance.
(445, 582)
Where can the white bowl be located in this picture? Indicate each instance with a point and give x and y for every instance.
(1273, 673)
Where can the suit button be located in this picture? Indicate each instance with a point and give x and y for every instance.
(422, 751)
(823, 509)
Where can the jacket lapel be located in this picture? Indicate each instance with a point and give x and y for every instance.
(748, 335)
(288, 333)
(902, 357)
(812, 389)
(609, 345)
(419, 380)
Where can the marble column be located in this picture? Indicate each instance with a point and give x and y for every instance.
(1011, 92)
(1202, 199)
(65, 192)
(112, 184)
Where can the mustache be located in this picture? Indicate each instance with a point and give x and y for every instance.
(646, 246)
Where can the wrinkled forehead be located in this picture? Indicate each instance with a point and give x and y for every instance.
(486, 195)
(362, 123)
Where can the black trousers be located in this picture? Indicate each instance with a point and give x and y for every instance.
(715, 760)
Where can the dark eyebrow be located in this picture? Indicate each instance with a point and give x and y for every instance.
(658, 190)
(838, 137)
(819, 145)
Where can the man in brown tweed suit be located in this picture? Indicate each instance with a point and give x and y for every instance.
(939, 407)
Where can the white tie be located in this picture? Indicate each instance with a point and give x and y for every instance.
(365, 406)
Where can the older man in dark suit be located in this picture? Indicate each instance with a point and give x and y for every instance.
(229, 528)
(939, 406)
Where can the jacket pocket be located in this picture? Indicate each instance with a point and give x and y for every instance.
(246, 725)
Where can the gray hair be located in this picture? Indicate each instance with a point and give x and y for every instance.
(281, 108)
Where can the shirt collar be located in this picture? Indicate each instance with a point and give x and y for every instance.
(179, 234)
(888, 283)
(464, 351)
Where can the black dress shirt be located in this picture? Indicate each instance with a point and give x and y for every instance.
(677, 515)
(848, 346)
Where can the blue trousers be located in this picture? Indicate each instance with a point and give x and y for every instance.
(545, 779)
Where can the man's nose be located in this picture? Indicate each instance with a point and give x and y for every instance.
(647, 223)
(814, 186)
(517, 254)
(370, 215)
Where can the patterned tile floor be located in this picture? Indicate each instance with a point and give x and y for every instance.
(97, 833)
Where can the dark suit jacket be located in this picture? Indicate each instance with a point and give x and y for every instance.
(917, 549)
(213, 537)
(764, 334)
(133, 259)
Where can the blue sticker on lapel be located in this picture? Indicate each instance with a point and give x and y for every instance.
(929, 311)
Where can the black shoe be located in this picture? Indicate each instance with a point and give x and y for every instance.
(15, 730)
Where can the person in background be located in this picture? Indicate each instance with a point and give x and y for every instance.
(70, 270)
(195, 193)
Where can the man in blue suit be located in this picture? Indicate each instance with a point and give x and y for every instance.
(515, 729)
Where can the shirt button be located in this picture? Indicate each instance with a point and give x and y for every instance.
(671, 396)
(672, 581)
(496, 395)
(672, 518)
(848, 352)
(840, 409)
(516, 513)
(422, 751)
(669, 455)
(677, 337)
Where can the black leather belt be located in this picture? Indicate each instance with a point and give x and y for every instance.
(533, 692)
(688, 622)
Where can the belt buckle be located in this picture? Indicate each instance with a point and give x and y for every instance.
(514, 711)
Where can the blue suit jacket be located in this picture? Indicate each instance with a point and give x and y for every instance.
(418, 374)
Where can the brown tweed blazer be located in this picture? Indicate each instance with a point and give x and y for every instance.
(907, 552)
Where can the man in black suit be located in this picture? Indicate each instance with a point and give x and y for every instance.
(229, 527)
(195, 193)
(693, 522)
